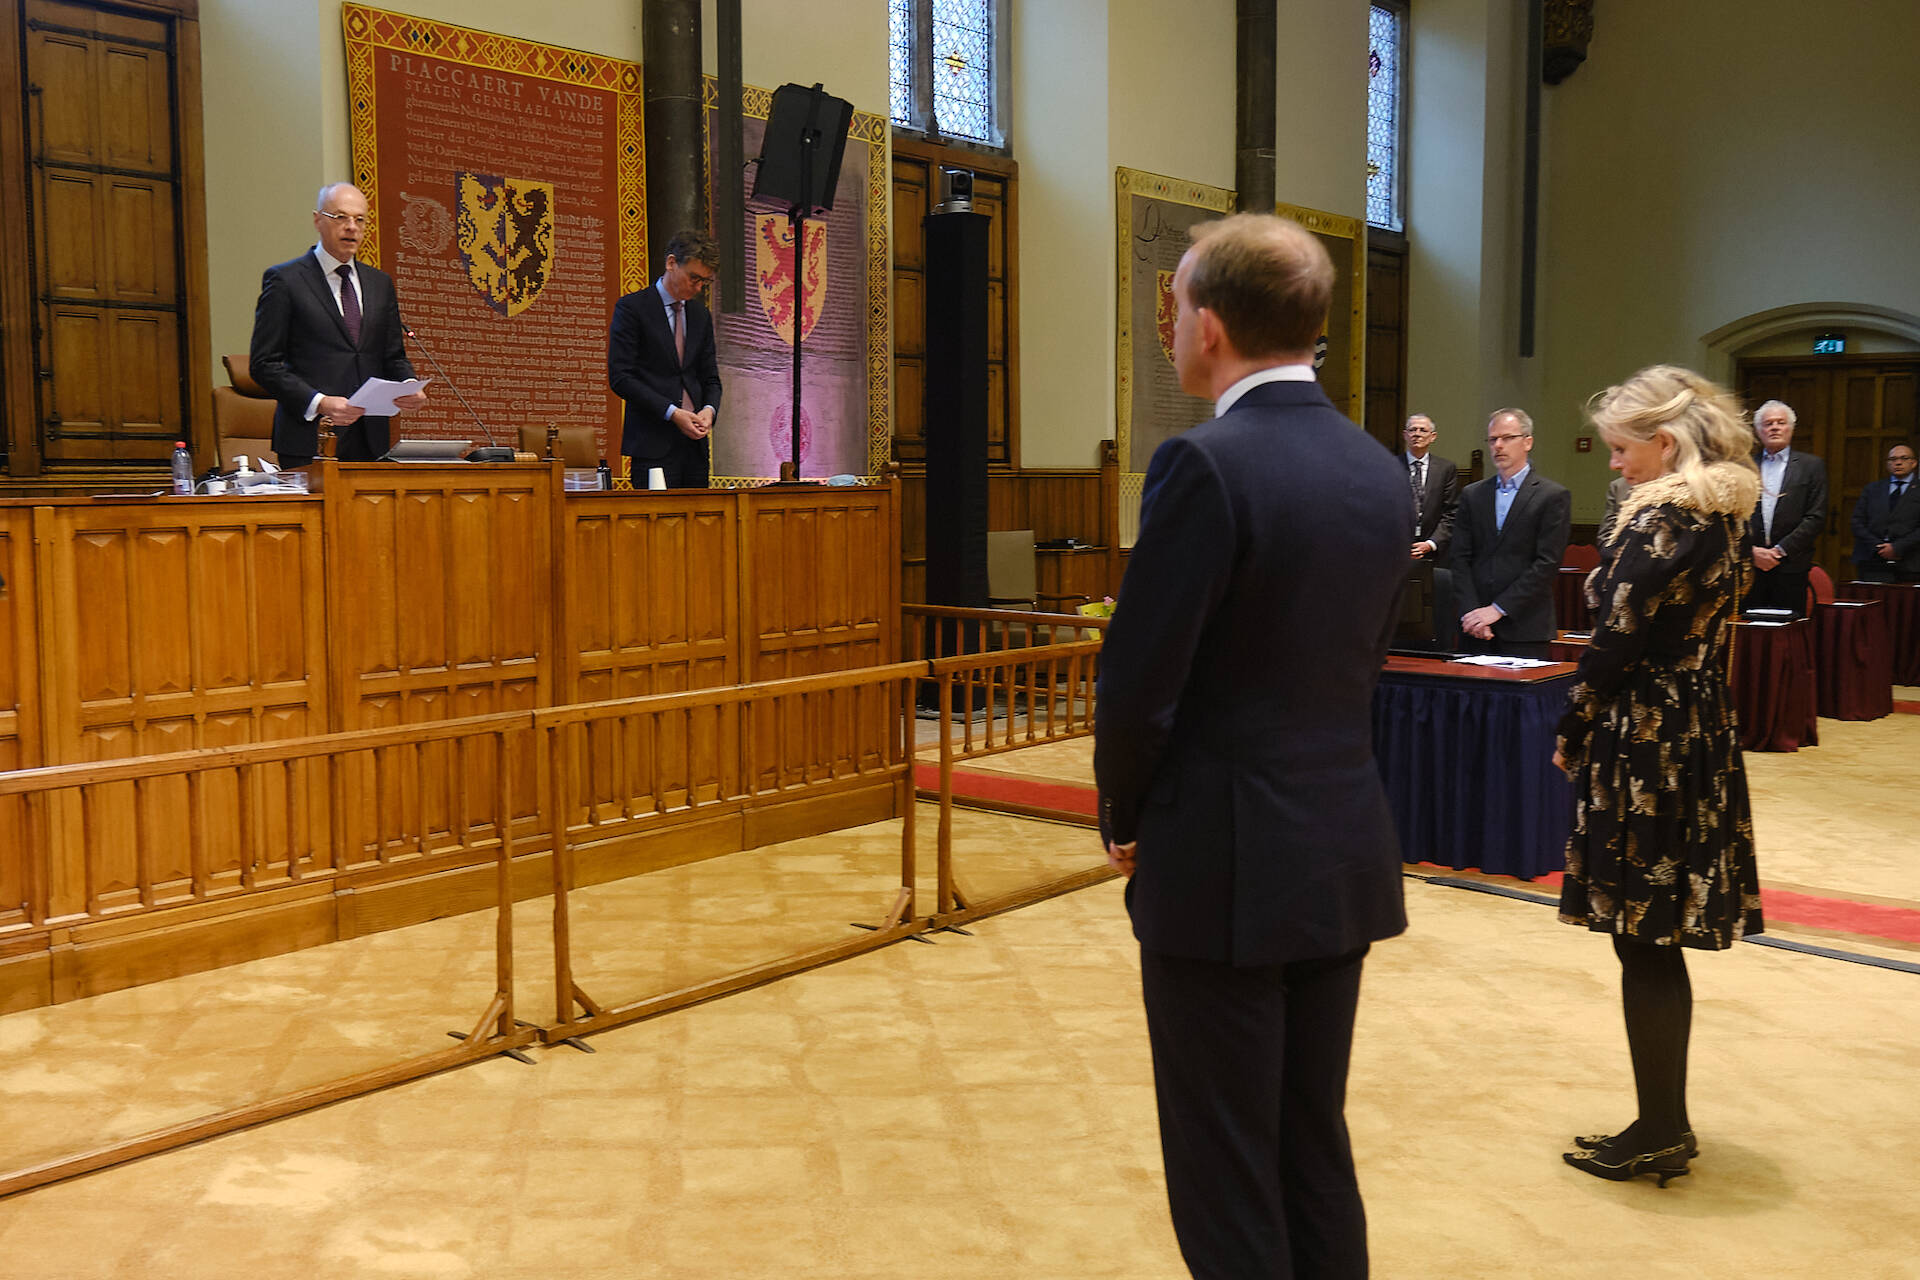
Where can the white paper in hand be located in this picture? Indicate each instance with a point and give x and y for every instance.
(376, 395)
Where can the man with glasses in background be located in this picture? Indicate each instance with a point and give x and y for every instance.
(1508, 537)
(324, 324)
(661, 360)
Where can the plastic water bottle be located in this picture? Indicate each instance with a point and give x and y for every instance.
(182, 468)
(606, 475)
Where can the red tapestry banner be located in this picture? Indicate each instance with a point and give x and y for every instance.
(507, 181)
(847, 283)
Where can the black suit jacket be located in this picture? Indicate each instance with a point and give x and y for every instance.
(1877, 520)
(1799, 515)
(300, 347)
(1234, 731)
(643, 370)
(1514, 565)
(1439, 497)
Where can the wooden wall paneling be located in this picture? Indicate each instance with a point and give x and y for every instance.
(911, 201)
(1386, 356)
(107, 232)
(19, 431)
(439, 594)
(648, 593)
(22, 902)
(178, 626)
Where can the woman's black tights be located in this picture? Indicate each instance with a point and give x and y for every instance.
(1658, 1000)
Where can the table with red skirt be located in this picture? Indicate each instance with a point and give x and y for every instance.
(1774, 686)
(1902, 603)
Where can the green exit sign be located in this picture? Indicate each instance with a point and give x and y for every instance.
(1829, 344)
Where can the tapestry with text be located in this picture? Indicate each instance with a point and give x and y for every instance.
(1156, 216)
(507, 182)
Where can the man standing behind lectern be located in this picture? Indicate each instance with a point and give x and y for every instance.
(661, 361)
(325, 324)
(1233, 750)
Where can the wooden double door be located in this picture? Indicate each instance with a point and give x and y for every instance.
(1851, 410)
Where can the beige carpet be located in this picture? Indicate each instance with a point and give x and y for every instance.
(982, 1106)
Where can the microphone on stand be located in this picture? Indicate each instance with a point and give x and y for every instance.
(493, 450)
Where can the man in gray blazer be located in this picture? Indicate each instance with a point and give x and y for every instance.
(1508, 538)
(1886, 523)
(1233, 750)
(1790, 515)
(324, 324)
(1436, 489)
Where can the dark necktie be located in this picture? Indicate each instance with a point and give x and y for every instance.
(680, 346)
(1415, 466)
(1893, 493)
(349, 303)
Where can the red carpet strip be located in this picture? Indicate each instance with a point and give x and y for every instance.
(1838, 915)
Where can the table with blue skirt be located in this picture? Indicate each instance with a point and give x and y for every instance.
(1466, 753)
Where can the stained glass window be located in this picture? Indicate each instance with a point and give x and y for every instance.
(963, 41)
(900, 61)
(1385, 79)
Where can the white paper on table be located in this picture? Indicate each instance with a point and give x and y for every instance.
(1495, 660)
(376, 395)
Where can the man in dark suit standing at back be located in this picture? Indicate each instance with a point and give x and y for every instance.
(1790, 515)
(661, 360)
(1508, 538)
(1436, 490)
(324, 324)
(1233, 750)
(1886, 523)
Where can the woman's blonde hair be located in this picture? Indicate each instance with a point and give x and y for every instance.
(1712, 447)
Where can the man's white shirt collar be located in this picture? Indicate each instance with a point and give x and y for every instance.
(1277, 373)
(330, 265)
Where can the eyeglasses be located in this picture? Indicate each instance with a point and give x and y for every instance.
(1419, 431)
(1498, 439)
(349, 219)
(702, 277)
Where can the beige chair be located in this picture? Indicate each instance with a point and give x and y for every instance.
(242, 415)
(577, 447)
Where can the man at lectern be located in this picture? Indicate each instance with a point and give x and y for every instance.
(661, 361)
(325, 324)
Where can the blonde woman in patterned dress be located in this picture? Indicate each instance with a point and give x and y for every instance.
(1661, 855)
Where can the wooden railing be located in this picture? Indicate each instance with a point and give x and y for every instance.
(457, 792)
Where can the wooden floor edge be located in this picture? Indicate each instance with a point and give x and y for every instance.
(160, 1141)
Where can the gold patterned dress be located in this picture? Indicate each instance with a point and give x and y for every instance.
(1662, 844)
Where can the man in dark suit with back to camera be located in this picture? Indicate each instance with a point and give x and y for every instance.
(1233, 750)
(1886, 523)
(1788, 518)
(1508, 538)
(661, 360)
(324, 324)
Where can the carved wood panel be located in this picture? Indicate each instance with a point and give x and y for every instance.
(105, 199)
(19, 712)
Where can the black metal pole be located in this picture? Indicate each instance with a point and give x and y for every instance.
(670, 43)
(797, 217)
(1256, 123)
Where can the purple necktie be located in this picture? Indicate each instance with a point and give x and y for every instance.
(349, 303)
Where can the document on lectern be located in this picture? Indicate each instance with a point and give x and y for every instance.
(376, 395)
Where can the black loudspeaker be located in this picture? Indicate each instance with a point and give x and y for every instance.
(785, 172)
(956, 409)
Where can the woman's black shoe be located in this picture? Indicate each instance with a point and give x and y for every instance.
(1592, 1141)
(1609, 1162)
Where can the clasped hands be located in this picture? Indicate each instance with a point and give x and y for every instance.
(1121, 856)
(1765, 558)
(1478, 623)
(694, 425)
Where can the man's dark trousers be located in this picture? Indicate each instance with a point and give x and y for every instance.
(1288, 1028)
